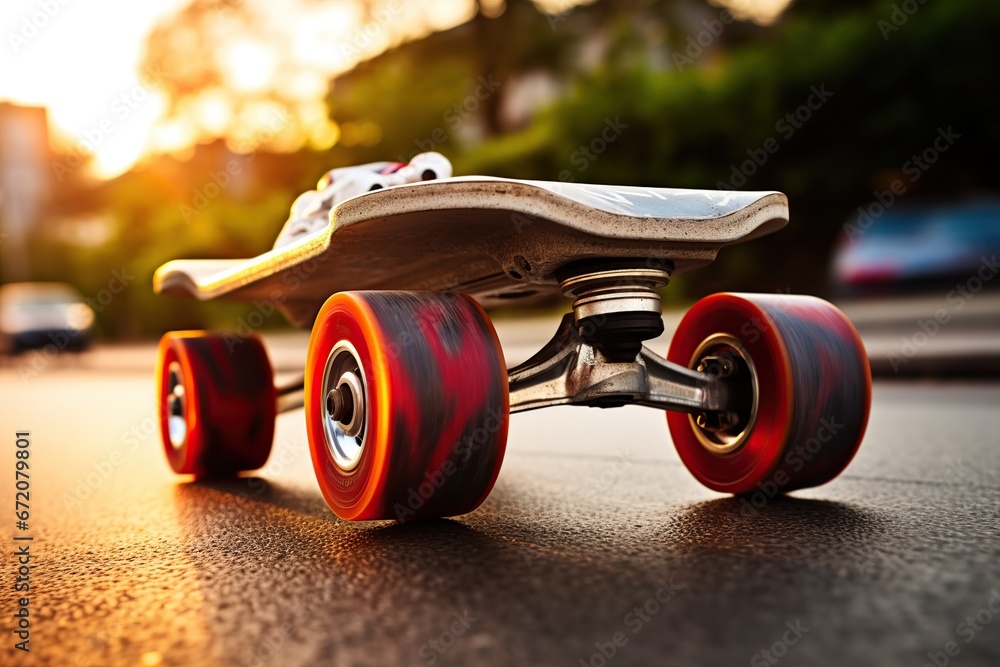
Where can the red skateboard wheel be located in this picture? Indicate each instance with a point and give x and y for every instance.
(406, 404)
(217, 403)
(806, 386)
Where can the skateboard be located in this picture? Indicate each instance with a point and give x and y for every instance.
(406, 393)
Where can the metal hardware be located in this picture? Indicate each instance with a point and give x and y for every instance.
(724, 357)
(603, 292)
(176, 406)
(570, 371)
(596, 358)
(345, 404)
(616, 306)
(291, 395)
(344, 425)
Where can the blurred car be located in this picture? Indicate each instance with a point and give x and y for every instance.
(916, 249)
(34, 315)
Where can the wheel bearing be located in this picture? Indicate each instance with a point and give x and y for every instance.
(346, 406)
(725, 432)
(176, 406)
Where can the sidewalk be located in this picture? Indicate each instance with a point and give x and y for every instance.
(930, 336)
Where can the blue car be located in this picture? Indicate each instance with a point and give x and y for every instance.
(916, 249)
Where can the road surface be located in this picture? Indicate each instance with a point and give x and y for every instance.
(595, 548)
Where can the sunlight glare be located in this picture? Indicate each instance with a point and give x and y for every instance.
(249, 66)
(121, 149)
(79, 65)
(306, 45)
(304, 86)
(323, 137)
(320, 38)
(763, 12)
(172, 136)
(212, 111)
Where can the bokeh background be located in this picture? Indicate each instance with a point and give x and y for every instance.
(135, 133)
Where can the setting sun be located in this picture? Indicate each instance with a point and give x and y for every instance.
(85, 73)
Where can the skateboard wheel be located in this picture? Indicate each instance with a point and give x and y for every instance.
(406, 404)
(217, 403)
(801, 388)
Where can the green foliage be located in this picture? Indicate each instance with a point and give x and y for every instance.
(156, 216)
(691, 127)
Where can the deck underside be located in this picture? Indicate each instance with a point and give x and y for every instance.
(492, 238)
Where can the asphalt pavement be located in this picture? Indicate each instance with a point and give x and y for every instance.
(595, 548)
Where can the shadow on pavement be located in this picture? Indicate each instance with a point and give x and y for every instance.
(523, 579)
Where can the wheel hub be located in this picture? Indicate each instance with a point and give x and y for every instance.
(345, 397)
(176, 412)
(346, 403)
(723, 432)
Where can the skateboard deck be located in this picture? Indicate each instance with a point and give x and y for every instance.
(495, 239)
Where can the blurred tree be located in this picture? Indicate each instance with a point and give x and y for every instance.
(736, 116)
(892, 90)
(214, 203)
(448, 88)
(489, 76)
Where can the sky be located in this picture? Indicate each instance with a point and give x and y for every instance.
(81, 62)
(81, 59)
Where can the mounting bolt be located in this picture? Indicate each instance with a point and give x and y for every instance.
(719, 366)
(717, 421)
